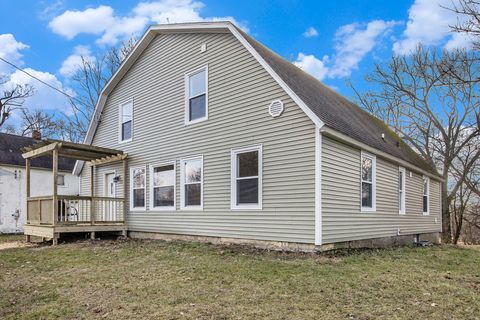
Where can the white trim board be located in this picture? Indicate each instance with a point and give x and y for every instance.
(318, 187)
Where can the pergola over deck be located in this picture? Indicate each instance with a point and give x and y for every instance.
(48, 216)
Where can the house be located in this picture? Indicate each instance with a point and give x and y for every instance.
(227, 141)
(13, 180)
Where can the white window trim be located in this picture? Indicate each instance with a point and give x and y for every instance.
(120, 119)
(402, 209)
(187, 95)
(131, 189)
(426, 213)
(374, 182)
(233, 179)
(105, 182)
(182, 185)
(152, 203)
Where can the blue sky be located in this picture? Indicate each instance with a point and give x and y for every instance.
(336, 41)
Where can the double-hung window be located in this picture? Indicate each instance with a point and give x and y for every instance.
(401, 190)
(246, 190)
(191, 177)
(368, 183)
(137, 188)
(426, 195)
(162, 184)
(126, 121)
(196, 104)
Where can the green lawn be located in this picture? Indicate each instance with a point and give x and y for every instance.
(159, 280)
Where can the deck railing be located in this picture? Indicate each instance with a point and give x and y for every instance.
(72, 210)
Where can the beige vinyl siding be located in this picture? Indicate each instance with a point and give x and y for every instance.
(342, 219)
(239, 92)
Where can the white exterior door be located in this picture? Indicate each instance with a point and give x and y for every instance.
(110, 185)
(109, 207)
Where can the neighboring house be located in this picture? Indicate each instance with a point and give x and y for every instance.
(13, 180)
(227, 140)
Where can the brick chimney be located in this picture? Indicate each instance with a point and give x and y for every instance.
(37, 135)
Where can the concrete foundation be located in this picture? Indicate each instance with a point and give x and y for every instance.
(385, 242)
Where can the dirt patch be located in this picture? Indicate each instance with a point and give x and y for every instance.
(15, 245)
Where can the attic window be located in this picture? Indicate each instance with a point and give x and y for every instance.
(276, 108)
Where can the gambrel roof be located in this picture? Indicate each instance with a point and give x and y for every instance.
(325, 107)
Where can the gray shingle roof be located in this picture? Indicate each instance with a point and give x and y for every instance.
(11, 153)
(336, 111)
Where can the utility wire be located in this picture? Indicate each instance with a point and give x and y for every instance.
(40, 80)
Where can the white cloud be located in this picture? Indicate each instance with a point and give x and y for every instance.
(93, 21)
(44, 97)
(312, 65)
(353, 42)
(71, 64)
(112, 28)
(429, 23)
(10, 50)
(310, 32)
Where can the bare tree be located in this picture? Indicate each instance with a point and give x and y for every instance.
(12, 99)
(421, 98)
(468, 12)
(89, 80)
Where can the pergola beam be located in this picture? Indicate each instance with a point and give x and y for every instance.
(41, 151)
(108, 159)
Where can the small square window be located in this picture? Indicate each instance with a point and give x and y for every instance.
(60, 180)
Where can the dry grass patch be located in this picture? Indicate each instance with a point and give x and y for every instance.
(160, 280)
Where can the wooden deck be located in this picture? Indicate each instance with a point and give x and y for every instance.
(49, 216)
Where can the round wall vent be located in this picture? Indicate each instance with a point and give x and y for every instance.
(276, 108)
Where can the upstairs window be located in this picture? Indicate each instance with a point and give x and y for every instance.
(246, 178)
(192, 183)
(196, 106)
(426, 195)
(126, 121)
(137, 188)
(368, 181)
(401, 191)
(163, 186)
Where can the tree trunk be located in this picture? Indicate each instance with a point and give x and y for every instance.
(446, 221)
(458, 227)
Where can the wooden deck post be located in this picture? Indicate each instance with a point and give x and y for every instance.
(92, 194)
(55, 187)
(27, 191)
(124, 167)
